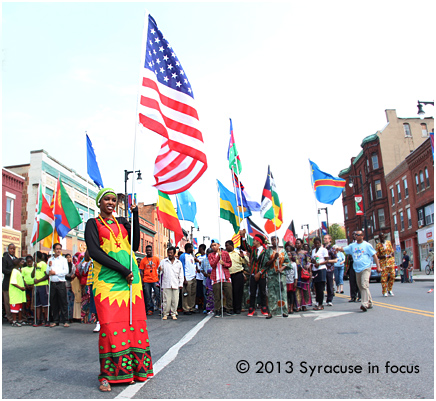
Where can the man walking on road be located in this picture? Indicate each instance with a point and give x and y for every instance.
(362, 253)
(330, 266)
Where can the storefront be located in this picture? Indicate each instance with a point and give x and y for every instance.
(425, 244)
(11, 236)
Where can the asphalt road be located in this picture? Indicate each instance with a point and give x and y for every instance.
(287, 357)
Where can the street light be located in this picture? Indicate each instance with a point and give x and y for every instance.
(192, 233)
(327, 216)
(421, 112)
(126, 178)
(350, 177)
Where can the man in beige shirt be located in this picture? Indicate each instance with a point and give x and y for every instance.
(236, 274)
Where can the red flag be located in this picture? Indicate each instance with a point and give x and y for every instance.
(166, 106)
(290, 234)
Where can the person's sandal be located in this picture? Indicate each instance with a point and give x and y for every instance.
(66, 325)
(104, 386)
(52, 324)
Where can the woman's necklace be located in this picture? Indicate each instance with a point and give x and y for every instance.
(117, 243)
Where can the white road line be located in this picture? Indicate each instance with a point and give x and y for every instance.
(166, 359)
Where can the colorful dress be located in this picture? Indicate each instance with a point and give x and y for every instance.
(303, 295)
(387, 265)
(124, 349)
(277, 294)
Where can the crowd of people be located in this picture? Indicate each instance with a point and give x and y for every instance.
(214, 280)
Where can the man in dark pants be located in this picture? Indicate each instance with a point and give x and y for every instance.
(260, 262)
(239, 261)
(405, 265)
(57, 270)
(7, 267)
(354, 289)
(330, 269)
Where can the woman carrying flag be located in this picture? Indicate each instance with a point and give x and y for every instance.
(124, 349)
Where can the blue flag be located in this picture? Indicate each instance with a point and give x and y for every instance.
(93, 170)
(327, 188)
(324, 227)
(186, 207)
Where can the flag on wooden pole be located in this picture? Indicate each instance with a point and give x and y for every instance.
(43, 224)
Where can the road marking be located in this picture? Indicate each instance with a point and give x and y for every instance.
(396, 307)
(166, 359)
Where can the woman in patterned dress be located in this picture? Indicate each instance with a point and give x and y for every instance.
(302, 292)
(124, 348)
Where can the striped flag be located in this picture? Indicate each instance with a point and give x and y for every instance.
(232, 153)
(166, 106)
(236, 239)
(271, 208)
(43, 225)
(167, 215)
(53, 238)
(327, 188)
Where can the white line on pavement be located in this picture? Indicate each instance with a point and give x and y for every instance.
(166, 359)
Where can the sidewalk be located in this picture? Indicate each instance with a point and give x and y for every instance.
(419, 276)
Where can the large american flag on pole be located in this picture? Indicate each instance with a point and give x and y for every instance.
(167, 107)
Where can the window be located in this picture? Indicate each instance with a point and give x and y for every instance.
(370, 192)
(48, 194)
(9, 212)
(393, 196)
(409, 218)
(407, 132)
(374, 159)
(402, 220)
(427, 179)
(378, 189)
(395, 223)
(421, 178)
(381, 218)
(429, 214)
(346, 212)
(373, 219)
(417, 182)
(399, 192)
(424, 129)
(406, 189)
(83, 211)
(420, 216)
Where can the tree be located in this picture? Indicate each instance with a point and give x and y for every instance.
(337, 232)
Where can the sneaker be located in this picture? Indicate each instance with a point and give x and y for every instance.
(229, 313)
(329, 304)
(370, 306)
(385, 294)
(363, 308)
(150, 312)
(391, 293)
(217, 314)
(264, 312)
(210, 312)
(97, 328)
(251, 313)
(165, 317)
(352, 300)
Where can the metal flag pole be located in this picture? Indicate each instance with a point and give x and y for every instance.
(131, 227)
(240, 194)
(236, 198)
(219, 238)
(316, 204)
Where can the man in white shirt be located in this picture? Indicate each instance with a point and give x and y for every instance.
(190, 282)
(57, 270)
(172, 281)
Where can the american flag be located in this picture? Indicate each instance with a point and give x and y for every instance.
(166, 106)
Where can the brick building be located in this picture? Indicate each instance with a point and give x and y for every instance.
(12, 194)
(369, 164)
(45, 169)
(381, 153)
(411, 189)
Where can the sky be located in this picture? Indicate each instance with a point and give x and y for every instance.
(299, 79)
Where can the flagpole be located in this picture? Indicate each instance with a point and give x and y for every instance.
(219, 238)
(236, 197)
(240, 194)
(131, 225)
(316, 203)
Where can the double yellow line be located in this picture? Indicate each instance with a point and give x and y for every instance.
(398, 308)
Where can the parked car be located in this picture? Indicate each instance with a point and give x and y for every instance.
(375, 275)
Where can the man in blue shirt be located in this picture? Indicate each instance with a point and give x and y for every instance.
(363, 253)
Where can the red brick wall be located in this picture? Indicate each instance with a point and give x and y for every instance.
(14, 185)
